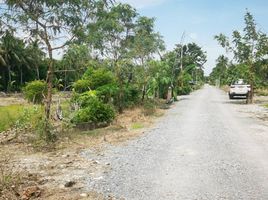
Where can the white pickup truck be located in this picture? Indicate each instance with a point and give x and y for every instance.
(239, 89)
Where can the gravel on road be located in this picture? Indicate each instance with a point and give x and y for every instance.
(205, 147)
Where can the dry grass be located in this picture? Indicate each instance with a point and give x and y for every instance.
(131, 124)
(225, 88)
(12, 99)
(261, 92)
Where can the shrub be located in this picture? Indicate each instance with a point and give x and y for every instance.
(81, 86)
(107, 92)
(98, 78)
(149, 107)
(130, 97)
(35, 91)
(84, 99)
(132, 94)
(94, 112)
(184, 90)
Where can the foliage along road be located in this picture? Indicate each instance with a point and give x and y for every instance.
(202, 149)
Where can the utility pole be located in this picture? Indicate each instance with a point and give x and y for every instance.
(181, 57)
(182, 38)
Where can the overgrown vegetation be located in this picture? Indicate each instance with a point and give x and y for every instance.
(35, 91)
(9, 180)
(110, 62)
(93, 110)
(9, 115)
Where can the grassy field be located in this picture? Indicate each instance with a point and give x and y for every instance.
(9, 115)
(15, 108)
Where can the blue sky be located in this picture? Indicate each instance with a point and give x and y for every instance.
(201, 20)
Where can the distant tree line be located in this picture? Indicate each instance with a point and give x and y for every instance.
(250, 62)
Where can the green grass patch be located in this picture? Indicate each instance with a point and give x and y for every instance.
(12, 114)
(137, 126)
(9, 115)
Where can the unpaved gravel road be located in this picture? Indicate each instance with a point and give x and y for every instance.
(203, 148)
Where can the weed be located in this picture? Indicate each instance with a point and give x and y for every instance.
(9, 115)
(149, 107)
(262, 92)
(9, 180)
(137, 126)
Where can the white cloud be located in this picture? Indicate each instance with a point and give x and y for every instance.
(143, 3)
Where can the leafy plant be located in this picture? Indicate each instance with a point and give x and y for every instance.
(94, 112)
(85, 98)
(107, 92)
(98, 78)
(149, 107)
(45, 130)
(137, 126)
(35, 91)
(81, 86)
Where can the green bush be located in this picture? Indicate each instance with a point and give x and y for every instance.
(149, 107)
(35, 91)
(81, 86)
(84, 99)
(184, 90)
(132, 94)
(98, 78)
(107, 92)
(94, 112)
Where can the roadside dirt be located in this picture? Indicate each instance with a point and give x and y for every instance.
(61, 173)
(256, 110)
(7, 100)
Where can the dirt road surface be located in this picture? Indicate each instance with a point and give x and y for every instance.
(205, 147)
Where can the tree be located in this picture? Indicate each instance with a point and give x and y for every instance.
(185, 61)
(146, 43)
(220, 72)
(160, 78)
(55, 23)
(248, 47)
(14, 60)
(111, 35)
(74, 63)
(35, 56)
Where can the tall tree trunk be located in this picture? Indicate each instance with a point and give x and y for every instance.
(143, 92)
(49, 84)
(37, 72)
(121, 87)
(65, 79)
(251, 82)
(21, 76)
(9, 79)
(121, 95)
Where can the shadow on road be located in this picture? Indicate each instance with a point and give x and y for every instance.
(183, 98)
(236, 101)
